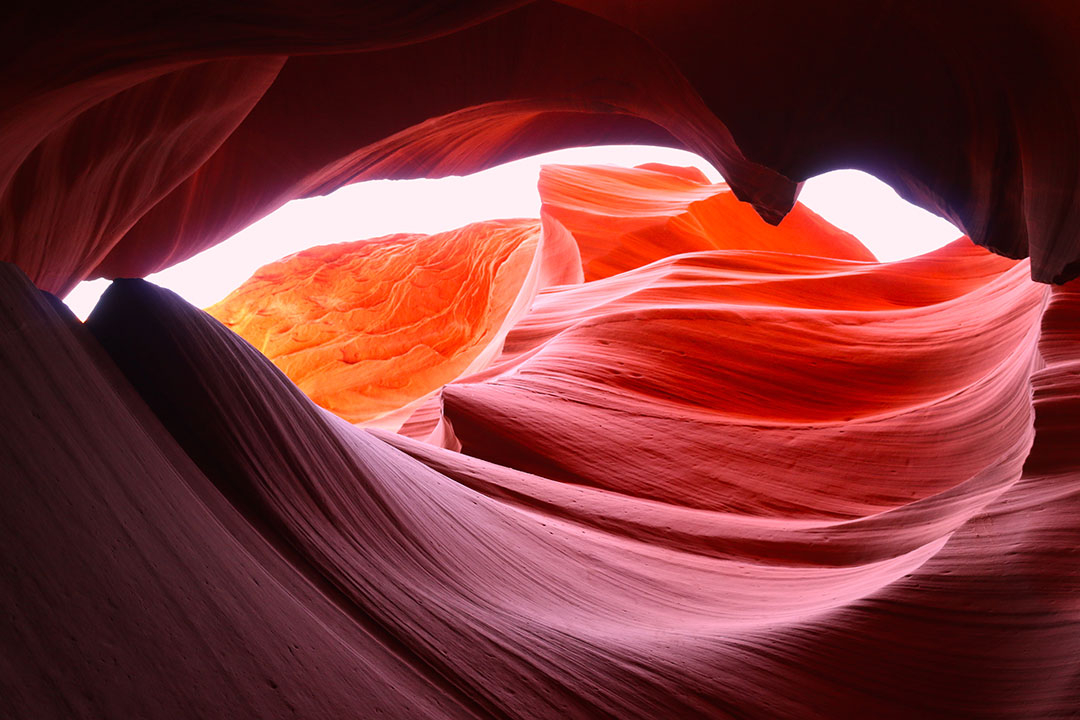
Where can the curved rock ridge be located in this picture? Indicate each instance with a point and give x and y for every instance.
(729, 460)
(369, 328)
(793, 378)
(618, 550)
(623, 218)
(133, 586)
(466, 579)
(136, 136)
(741, 472)
(530, 597)
(682, 382)
(761, 382)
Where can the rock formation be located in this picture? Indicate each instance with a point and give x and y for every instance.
(366, 329)
(671, 450)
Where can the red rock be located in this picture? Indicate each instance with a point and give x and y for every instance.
(984, 137)
(812, 487)
(624, 218)
(757, 381)
(133, 586)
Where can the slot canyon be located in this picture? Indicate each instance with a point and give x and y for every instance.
(674, 448)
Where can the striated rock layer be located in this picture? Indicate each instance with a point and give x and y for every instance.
(366, 329)
(656, 459)
(137, 135)
(623, 218)
(765, 481)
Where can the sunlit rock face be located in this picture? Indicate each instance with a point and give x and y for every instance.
(368, 328)
(664, 473)
(668, 462)
(785, 381)
(779, 375)
(624, 218)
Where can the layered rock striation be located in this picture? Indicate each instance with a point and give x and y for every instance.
(654, 456)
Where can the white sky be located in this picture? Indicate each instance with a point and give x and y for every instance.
(892, 228)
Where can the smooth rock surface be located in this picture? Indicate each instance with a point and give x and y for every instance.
(973, 115)
(743, 471)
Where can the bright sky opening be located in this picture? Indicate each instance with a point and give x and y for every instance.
(854, 201)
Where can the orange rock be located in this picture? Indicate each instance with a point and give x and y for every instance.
(624, 218)
(369, 328)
